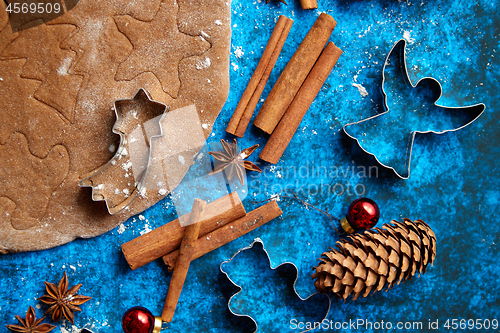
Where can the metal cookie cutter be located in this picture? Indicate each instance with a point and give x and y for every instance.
(291, 312)
(116, 182)
(410, 109)
(157, 146)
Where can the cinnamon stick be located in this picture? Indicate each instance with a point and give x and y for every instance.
(279, 140)
(167, 238)
(244, 111)
(184, 260)
(308, 4)
(294, 74)
(228, 233)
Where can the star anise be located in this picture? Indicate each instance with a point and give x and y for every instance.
(233, 161)
(30, 324)
(63, 301)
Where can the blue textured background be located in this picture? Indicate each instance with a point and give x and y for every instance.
(453, 185)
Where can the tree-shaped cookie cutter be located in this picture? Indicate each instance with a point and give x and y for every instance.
(396, 62)
(274, 269)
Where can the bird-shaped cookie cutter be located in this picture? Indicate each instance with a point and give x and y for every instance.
(396, 61)
(296, 270)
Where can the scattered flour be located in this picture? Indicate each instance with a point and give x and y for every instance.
(63, 70)
(205, 126)
(141, 217)
(182, 161)
(365, 32)
(218, 22)
(121, 229)
(202, 64)
(143, 192)
(205, 35)
(235, 67)
(147, 228)
(162, 191)
(122, 151)
(112, 148)
(239, 52)
(127, 166)
(361, 89)
(72, 329)
(406, 35)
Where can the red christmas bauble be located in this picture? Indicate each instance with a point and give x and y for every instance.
(138, 320)
(363, 213)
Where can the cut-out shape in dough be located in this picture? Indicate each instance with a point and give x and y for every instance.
(162, 59)
(50, 66)
(43, 174)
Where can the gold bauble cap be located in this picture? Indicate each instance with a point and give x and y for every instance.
(158, 323)
(346, 226)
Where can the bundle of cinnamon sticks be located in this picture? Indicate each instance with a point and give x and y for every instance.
(293, 92)
(245, 108)
(210, 227)
(226, 213)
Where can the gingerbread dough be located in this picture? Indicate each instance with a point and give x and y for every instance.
(59, 80)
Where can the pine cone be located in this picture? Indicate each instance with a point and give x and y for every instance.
(378, 257)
